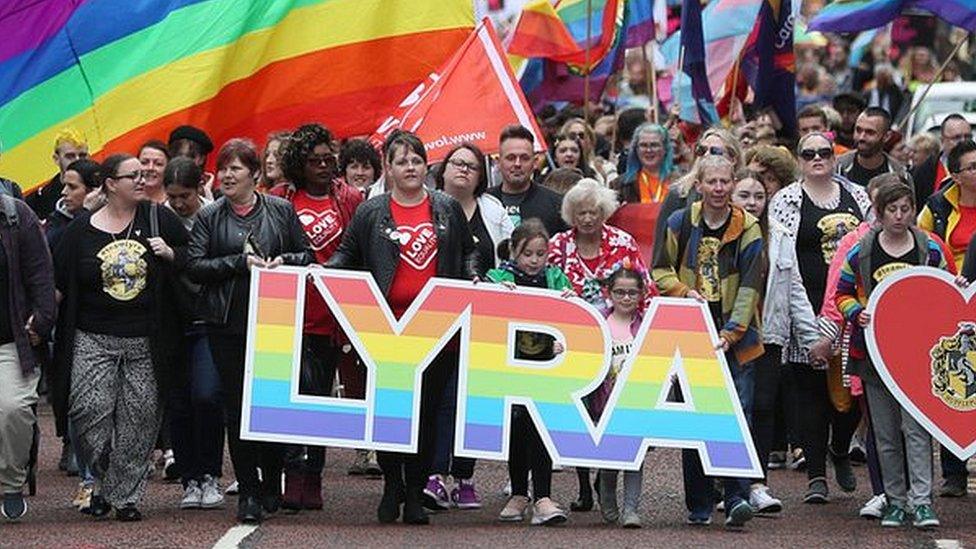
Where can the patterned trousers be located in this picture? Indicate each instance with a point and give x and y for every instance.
(114, 406)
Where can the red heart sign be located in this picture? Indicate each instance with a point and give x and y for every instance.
(922, 344)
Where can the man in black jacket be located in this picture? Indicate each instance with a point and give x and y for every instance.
(521, 196)
(930, 176)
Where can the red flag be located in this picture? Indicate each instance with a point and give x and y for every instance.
(470, 99)
(639, 220)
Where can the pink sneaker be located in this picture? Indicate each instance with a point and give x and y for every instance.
(436, 497)
(464, 496)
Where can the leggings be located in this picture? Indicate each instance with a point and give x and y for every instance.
(526, 452)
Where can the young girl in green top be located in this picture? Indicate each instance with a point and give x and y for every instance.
(527, 265)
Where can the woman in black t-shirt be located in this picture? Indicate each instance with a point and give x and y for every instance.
(113, 268)
(816, 212)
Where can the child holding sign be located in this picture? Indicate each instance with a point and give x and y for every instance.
(627, 289)
(528, 250)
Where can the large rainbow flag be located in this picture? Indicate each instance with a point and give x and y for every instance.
(124, 71)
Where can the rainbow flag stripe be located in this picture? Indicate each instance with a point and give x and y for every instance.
(124, 71)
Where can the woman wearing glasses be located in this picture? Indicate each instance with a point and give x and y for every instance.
(240, 230)
(650, 166)
(816, 212)
(325, 205)
(951, 213)
(116, 334)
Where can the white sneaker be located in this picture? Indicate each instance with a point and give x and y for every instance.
(233, 489)
(546, 512)
(191, 496)
(762, 502)
(875, 507)
(211, 497)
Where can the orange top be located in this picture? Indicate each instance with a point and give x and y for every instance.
(652, 189)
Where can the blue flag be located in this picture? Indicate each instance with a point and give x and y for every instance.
(700, 107)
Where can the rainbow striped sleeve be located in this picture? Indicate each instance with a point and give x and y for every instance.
(847, 302)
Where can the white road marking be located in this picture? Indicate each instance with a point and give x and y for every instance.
(235, 536)
(948, 544)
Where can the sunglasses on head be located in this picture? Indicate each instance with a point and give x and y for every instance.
(702, 150)
(810, 154)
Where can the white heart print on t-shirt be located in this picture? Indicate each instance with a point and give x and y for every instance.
(418, 245)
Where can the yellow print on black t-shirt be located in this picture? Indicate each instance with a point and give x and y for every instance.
(833, 227)
(887, 270)
(709, 283)
(124, 270)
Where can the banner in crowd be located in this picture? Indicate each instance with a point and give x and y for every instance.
(926, 355)
(676, 344)
(125, 71)
(469, 100)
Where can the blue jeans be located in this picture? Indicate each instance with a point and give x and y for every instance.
(445, 409)
(699, 489)
(196, 414)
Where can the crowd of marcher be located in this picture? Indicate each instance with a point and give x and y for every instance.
(127, 282)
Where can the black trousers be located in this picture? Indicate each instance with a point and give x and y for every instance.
(768, 378)
(247, 456)
(319, 359)
(412, 469)
(527, 452)
(820, 422)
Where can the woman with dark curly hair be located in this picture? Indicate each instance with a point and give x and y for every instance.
(325, 205)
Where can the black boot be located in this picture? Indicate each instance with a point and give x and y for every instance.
(393, 495)
(249, 510)
(585, 501)
(413, 507)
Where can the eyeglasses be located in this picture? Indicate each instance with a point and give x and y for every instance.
(650, 146)
(462, 165)
(702, 150)
(576, 135)
(968, 169)
(825, 153)
(135, 176)
(621, 294)
(327, 159)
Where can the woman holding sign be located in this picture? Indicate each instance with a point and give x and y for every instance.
(896, 245)
(405, 238)
(241, 230)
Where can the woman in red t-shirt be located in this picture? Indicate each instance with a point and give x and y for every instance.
(404, 238)
(325, 205)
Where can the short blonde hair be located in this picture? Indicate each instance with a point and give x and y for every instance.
(589, 190)
(70, 136)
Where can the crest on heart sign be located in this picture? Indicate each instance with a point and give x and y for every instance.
(922, 342)
(954, 368)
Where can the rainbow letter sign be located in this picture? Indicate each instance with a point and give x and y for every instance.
(677, 340)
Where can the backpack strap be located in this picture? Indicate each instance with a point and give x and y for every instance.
(684, 233)
(153, 220)
(922, 246)
(864, 260)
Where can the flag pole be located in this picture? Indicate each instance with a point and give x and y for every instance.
(651, 83)
(938, 74)
(586, 76)
(735, 87)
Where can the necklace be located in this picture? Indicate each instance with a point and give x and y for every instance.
(128, 233)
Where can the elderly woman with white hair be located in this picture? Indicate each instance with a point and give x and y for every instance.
(589, 252)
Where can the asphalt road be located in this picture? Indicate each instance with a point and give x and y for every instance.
(349, 517)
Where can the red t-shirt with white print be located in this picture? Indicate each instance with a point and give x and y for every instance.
(418, 253)
(323, 226)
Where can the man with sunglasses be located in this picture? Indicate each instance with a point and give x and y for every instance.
(869, 159)
(932, 175)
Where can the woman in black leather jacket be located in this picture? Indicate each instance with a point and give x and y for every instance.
(240, 230)
(404, 238)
